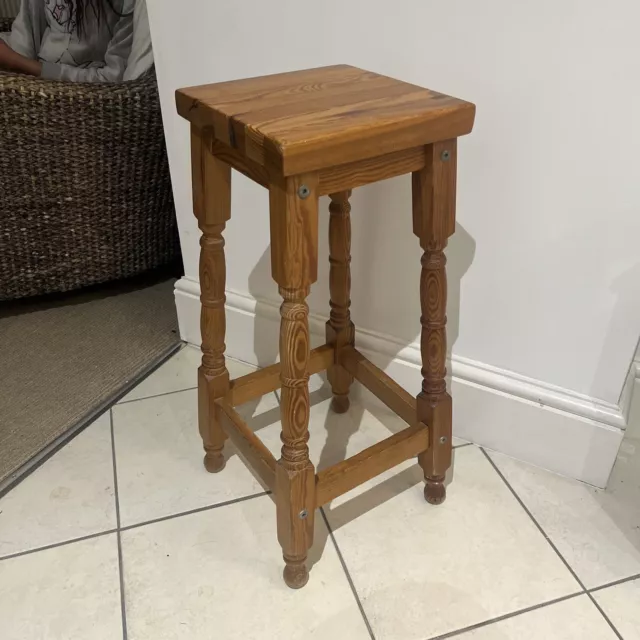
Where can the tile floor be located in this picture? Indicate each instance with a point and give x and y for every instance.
(122, 534)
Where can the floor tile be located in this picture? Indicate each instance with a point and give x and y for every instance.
(574, 619)
(159, 457)
(178, 373)
(69, 496)
(596, 531)
(70, 592)
(334, 437)
(470, 558)
(218, 574)
(622, 604)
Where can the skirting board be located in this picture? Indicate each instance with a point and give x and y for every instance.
(554, 428)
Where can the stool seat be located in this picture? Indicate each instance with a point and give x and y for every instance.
(317, 118)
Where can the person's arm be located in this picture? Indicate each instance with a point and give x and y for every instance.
(115, 59)
(141, 56)
(10, 60)
(26, 30)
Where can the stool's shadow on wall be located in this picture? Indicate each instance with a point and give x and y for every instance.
(385, 284)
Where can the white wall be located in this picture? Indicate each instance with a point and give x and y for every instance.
(545, 267)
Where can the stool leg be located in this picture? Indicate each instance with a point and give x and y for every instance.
(294, 264)
(340, 330)
(433, 223)
(212, 206)
(295, 477)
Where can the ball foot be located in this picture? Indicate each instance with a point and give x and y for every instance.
(340, 404)
(214, 462)
(295, 575)
(434, 490)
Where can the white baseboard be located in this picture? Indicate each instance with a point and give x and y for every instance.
(570, 433)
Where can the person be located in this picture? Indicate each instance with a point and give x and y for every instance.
(79, 40)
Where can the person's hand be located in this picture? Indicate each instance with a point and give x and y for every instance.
(12, 61)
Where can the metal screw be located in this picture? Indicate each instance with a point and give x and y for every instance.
(445, 155)
(303, 191)
(443, 440)
(303, 514)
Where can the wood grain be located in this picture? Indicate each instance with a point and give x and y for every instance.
(266, 380)
(355, 174)
(308, 120)
(379, 383)
(247, 443)
(294, 231)
(294, 476)
(212, 207)
(433, 223)
(304, 134)
(238, 162)
(339, 329)
(294, 264)
(367, 464)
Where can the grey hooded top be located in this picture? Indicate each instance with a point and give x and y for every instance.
(46, 30)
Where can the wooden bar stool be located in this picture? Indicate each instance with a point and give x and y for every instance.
(302, 135)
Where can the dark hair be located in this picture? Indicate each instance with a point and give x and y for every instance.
(99, 10)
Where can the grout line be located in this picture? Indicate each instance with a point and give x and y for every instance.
(615, 583)
(464, 444)
(58, 544)
(535, 522)
(506, 616)
(65, 438)
(155, 395)
(123, 609)
(115, 472)
(131, 526)
(605, 616)
(346, 571)
(197, 510)
(548, 539)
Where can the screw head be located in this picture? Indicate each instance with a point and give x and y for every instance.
(303, 191)
(443, 440)
(445, 155)
(303, 514)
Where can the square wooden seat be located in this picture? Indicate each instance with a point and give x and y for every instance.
(302, 135)
(316, 119)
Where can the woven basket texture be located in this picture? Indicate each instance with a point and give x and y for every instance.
(85, 191)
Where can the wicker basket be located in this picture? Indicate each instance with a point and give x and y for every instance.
(85, 192)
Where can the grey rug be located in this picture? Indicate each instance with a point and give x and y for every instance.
(64, 360)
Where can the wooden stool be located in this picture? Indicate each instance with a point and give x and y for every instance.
(302, 135)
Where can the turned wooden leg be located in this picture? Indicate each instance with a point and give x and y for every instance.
(295, 477)
(340, 330)
(433, 223)
(294, 264)
(212, 207)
